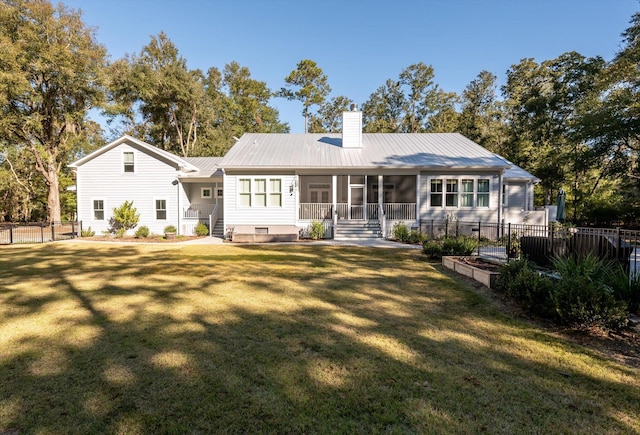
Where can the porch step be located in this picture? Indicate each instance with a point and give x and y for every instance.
(349, 230)
(218, 229)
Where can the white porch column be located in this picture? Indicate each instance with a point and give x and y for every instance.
(381, 217)
(418, 181)
(500, 197)
(334, 198)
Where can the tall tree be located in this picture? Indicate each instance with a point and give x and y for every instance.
(383, 111)
(157, 85)
(307, 83)
(481, 118)
(53, 71)
(329, 116)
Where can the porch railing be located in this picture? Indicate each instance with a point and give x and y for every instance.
(315, 211)
(392, 211)
(400, 211)
(198, 211)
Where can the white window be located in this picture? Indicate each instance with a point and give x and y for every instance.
(259, 192)
(260, 195)
(483, 192)
(98, 209)
(452, 193)
(205, 192)
(245, 192)
(466, 197)
(128, 161)
(161, 209)
(436, 193)
(219, 192)
(275, 192)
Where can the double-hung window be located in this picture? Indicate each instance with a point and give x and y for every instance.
(98, 209)
(260, 195)
(483, 192)
(260, 192)
(244, 186)
(161, 209)
(129, 164)
(275, 192)
(436, 193)
(466, 197)
(452, 193)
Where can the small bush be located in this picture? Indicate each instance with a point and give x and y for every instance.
(316, 230)
(201, 229)
(170, 229)
(585, 296)
(142, 232)
(124, 217)
(120, 232)
(522, 282)
(400, 232)
(460, 245)
(417, 237)
(88, 232)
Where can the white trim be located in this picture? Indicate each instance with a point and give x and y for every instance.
(122, 161)
(155, 210)
(253, 193)
(93, 209)
(459, 178)
(202, 191)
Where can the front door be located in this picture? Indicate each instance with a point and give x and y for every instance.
(356, 202)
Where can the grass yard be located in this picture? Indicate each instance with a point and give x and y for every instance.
(103, 338)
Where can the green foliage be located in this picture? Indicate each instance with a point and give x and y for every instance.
(417, 237)
(583, 296)
(52, 75)
(201, 229)
(316, 230)
(310, 84)
(170, 229)
(400, 232)
(120, 233)
(520, 280)
(87, 232)
(142, 232)
(460, 246)
(125, 217)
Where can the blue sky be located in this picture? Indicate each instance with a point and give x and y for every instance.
(360, 44)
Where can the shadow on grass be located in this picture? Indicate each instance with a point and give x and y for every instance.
(280, 339)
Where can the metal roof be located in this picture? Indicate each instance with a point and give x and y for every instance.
(207, 166)
(516, 173)
(379, 150)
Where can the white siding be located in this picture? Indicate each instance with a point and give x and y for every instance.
(237, 215)
(516, 194)
(104, 178)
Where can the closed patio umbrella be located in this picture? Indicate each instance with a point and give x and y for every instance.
(560, 211)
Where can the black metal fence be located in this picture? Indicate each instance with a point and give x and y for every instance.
(38, 232)
(540, 243)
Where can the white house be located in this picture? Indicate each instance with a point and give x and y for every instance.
(355, 183)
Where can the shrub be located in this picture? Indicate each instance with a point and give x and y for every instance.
(400, 232)
(316, 230)
(521, 281)
(459, 245)
(124, 218)
(417, 237)
(120, 232)
(170, 229)
(142, 232)
(586, 295)
(88, 232)
(201, 229)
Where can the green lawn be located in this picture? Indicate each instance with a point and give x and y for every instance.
(103, 338)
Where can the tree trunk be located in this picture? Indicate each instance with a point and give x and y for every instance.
(53, 198)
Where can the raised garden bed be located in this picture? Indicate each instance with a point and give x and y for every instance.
(483, 271)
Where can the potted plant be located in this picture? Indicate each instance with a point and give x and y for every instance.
(170, 232)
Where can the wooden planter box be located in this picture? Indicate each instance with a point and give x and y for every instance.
(486, 277)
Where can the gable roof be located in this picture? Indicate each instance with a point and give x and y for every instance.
(180, 162)
(207, 166)
(516, 173)
(379, 150)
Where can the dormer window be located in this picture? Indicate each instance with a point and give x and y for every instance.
(129, 165)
